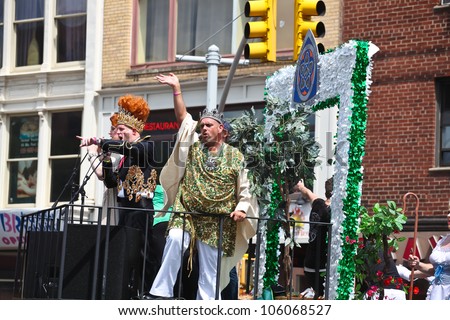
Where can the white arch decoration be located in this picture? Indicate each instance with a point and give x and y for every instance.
(345, 78)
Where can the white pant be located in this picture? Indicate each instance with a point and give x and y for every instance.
(171, 263)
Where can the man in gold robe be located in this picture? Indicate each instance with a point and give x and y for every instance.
(206, 178)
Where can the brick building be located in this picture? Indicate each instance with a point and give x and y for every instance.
(407, 132)
(408, 136)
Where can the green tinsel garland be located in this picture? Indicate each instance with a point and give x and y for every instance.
(326, 104)
(272, 242)
(351, 204)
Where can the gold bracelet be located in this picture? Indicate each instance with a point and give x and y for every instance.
(176, 94)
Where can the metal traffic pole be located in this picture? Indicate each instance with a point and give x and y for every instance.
(212, 60)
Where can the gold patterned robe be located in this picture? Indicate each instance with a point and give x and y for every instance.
(175, 174)
(209, 191)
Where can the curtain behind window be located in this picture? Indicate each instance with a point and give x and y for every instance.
(71, 39)
(155, 16)
(26, 9)
(200, 19)
(197, 20)
(30, 35)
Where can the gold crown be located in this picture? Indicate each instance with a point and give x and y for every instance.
(128, 119)
(213, 114)
(133, 112)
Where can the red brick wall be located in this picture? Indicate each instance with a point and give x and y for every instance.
(414, 42)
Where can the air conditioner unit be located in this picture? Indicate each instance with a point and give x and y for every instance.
(444, 2)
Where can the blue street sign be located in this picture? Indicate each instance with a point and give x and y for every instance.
(306, 79)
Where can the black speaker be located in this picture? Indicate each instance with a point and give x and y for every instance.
(41, 266)
(84, 276)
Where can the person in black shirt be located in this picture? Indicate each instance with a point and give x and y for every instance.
(135, 177)
(316, 252)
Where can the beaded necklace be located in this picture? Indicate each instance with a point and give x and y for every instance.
(211, 159)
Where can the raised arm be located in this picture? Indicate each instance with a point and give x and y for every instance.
(300, 186)
(178, 102)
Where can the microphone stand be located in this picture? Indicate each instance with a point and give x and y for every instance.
(81, 188)
(70, 181)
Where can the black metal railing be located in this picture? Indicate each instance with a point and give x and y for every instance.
(71, 252)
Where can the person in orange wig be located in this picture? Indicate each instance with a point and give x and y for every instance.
(135, 177)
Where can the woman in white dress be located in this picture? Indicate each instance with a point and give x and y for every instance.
(439, 267)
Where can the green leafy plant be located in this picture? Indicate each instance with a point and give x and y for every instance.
(378, 239)
(283, 151)
(278, 152)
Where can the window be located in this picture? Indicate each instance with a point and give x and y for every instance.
(22, 163)
(70, 29)
(23, 156)
(29, 28)
(200, 24)
(198, 20)
(1, 31)
(71, 25)
(443, 98)
(166, 28)
(64, 155)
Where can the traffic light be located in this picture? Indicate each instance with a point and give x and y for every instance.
(265, 28)
(304, 10)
